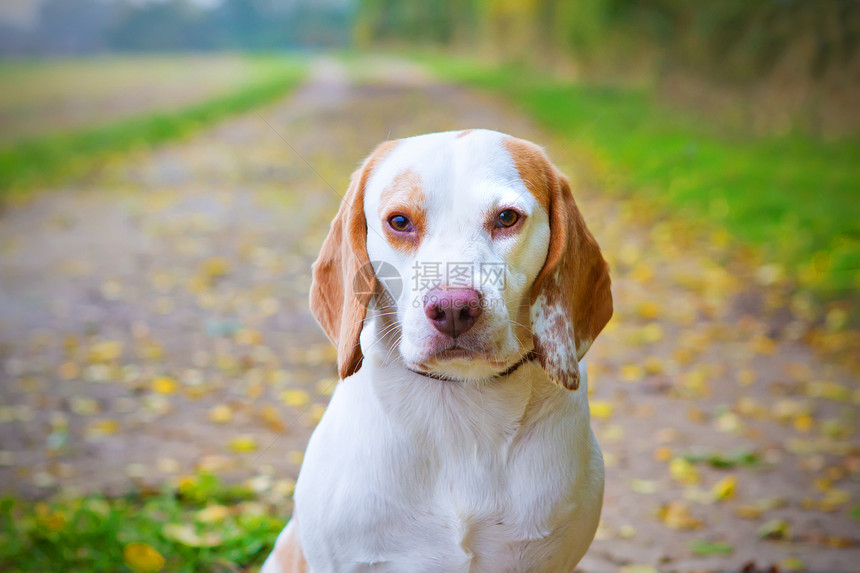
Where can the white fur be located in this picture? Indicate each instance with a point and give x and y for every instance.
(411, 474)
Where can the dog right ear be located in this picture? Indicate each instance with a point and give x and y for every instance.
(343, 279)
(571, 300)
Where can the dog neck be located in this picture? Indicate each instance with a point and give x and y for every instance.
(529, 356)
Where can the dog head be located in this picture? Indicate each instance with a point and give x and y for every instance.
(470, 251)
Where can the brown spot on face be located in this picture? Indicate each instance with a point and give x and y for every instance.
(534, 168)
(464, 133)
(404, 196)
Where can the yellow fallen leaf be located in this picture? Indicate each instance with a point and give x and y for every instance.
(627, 531)
(164, 385)
(644, 486)
(764, 345)
(830, 390)
(151, 349)
(724, 489)
(295, 398)
(652, 332)
(69, 370)
(803, 423)
(637, 568)
(84, 406)
(695, 383)
(728, 422)
(226, 363)
(255, 390)
(101, 428)
(601, 409)
(271, 418)
(751, 408)
(213, 514)
(167, 465)
(214, 463)
(792, 564)
(105, 351)
(676, 515)
(748, 512)
(643, 273)
(774, 529)
(836, 428)
(54, 521)
(215, 267)
(653, 365)
(696, 415)
(746, 377)
(632, 372)
(683, 471)
(648, 309)
(187, 535)
(248, 337)
(244, 443)
(221, 414)
(285, 487)
(142, 557)
(834, 499)
(662, 454)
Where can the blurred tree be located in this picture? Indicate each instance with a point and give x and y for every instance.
(76, 26)
(734, 39)
(82, 26)
(164, 26)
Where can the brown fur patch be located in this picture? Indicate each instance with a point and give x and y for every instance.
(464, 133)
(343, 281)
(404, 196)
(575, 276)
(534, 168)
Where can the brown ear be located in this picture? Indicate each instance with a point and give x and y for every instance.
(571, 300)
(343, 280)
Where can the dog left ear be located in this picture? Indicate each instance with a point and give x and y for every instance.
(571, 297)
(343, 279)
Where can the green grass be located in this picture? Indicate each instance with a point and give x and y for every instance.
(50, 95)
(95, 533)
(48, 159)
(794, 198)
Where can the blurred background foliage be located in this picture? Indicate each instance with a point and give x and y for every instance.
(776, 64)
(93, 26)
(798, 58)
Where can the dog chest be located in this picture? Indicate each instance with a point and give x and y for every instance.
(379, 499)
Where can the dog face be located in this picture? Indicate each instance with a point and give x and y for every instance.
(489, 254)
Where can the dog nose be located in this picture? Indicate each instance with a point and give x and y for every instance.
(453, 311)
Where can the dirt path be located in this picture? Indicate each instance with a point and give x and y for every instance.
(153, 322)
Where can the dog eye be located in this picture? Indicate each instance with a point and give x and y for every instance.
(400, 223)
(507, 218)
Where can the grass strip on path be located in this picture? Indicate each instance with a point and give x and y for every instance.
(792, 197)
(201, 525)
(47, 159)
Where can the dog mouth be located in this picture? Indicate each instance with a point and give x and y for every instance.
(457, 363)
(458, 354)
(454, 353)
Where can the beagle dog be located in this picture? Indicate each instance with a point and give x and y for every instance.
(462, 289)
